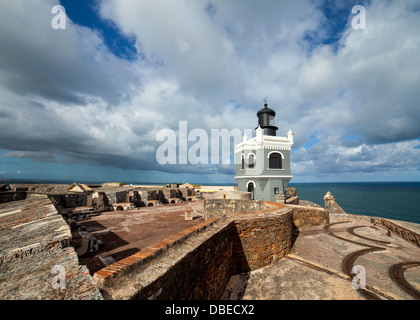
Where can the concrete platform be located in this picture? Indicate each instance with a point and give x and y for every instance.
(320, 265)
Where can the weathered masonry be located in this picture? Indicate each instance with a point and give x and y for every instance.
(35, 240)
(238, 236)
(207, 255)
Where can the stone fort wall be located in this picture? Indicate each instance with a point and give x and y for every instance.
(197, 263)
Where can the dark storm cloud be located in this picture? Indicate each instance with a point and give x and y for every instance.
(40, 156)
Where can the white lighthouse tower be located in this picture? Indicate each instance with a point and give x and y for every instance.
(263, 162)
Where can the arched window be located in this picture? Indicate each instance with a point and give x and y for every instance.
(243, 161)
(251, 161)
(275, 161)
(251, 187)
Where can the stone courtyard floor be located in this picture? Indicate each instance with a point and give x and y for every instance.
(319, 267)
(123, 233)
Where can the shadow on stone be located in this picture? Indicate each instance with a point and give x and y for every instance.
(240, 270)
(295, 234)
(240, 261)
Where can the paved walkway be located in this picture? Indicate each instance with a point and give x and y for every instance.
(321, 262)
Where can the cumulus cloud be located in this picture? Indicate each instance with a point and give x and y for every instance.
(340, 163)
(372, 75)
(350, 96)
(66, 66)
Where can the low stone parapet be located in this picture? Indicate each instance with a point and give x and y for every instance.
(36, 251)
(309, 216)
(261, 240)
(219, 207)
(401, 228)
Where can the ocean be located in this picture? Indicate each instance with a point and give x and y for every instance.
(392, 200)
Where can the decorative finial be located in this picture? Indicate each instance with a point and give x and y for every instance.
(265, 102)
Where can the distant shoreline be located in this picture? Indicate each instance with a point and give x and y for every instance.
(221, 184)
(218, 186)
(88, 182)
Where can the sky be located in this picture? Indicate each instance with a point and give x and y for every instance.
(86, 101)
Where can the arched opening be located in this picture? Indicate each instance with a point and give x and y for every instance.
(150, 204)
(251, 188)
(119, 208)
(172, 201)
(275, 161)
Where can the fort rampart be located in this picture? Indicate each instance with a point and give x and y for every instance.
(237, 236)
(197, 263)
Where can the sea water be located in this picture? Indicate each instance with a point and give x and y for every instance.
(392, 200)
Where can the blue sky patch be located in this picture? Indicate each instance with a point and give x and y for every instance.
(85, 13)
(313, 140)
(337, 15)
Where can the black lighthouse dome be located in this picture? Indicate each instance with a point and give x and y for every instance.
(266, 120)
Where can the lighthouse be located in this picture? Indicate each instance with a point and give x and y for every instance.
(263, 162)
